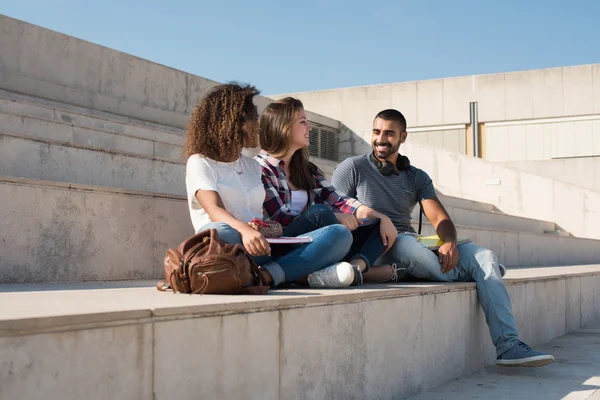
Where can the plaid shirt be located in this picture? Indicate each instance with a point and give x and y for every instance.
(278, 201)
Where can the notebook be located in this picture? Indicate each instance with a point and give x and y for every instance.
(290, 240)
(434, 242)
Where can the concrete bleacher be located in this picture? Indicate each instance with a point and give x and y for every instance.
(128, 341)
(96, 160)
(92, 189)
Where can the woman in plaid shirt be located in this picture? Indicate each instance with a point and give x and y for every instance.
(299, 197)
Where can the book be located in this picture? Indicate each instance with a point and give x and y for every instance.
(434, 242)
(290, 240)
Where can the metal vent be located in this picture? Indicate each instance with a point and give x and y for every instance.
(324, 142)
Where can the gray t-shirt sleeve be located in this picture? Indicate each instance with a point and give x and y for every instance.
(344, 178)
(424, 185)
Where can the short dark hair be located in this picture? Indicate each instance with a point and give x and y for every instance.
(392, 115)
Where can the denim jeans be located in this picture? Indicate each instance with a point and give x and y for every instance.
(366, 244)
(330, 244)
(476, 264)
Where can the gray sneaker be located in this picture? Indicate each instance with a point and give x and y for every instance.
(336, 276)
(521, 355)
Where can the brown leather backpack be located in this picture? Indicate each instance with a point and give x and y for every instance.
(204, 264)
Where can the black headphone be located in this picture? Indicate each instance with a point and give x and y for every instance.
(387, 168)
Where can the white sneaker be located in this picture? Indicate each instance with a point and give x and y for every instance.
(338, 275)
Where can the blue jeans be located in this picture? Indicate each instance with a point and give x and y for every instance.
(476, 264)
(330, 244)
(366, 243)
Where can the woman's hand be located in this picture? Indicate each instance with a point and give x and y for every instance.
(255, 243)
(348, 220)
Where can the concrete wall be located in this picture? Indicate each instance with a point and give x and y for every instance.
(449, 139)
(583, 172)
(60, 232)
(47, 64)
(512, 96)
(355, 344)
(543, 139)
(515, 192)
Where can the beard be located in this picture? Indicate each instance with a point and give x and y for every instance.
(385, 151)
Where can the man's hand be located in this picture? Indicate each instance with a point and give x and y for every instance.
(448, 255)
(348, 220)
(255, 243)
(388, 232)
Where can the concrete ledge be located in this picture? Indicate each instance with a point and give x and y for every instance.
(89, 188)
(574, 375)
(528, 249)
(72, 133)
(574, 209)
(77, 109)
(56, 160)
(382, 341)
(495, 220)
(35, 112)
(61, 232)
(80, 233)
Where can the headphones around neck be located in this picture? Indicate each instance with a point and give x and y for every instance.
(387, 168)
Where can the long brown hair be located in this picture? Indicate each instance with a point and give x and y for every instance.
(217, 125)
(276, 124)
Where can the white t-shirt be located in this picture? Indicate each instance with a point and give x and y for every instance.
(242, 193)
(299, 201)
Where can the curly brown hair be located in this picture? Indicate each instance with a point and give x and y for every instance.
(217, 125)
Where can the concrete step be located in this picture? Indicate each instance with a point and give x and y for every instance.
(36, 111)
(494, 220)
(527, 249)
(574, 375)
(85, 232)
(450, 201)
(469, 213)
(53, 160)
(104, 115)
(78, 135)
(49, 334)
(61, 232)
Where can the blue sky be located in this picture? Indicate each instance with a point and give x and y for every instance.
(291, 46)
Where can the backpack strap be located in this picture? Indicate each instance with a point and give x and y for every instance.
(163, 285)
(421, 212)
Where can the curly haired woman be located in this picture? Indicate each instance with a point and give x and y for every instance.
(225, 192)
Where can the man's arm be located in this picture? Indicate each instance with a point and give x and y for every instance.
(439, 218)
(445, 229)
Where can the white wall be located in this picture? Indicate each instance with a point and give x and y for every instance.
(584, 172)
(574, 209)
(513, 96)
(449, 139)
(543, 139)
